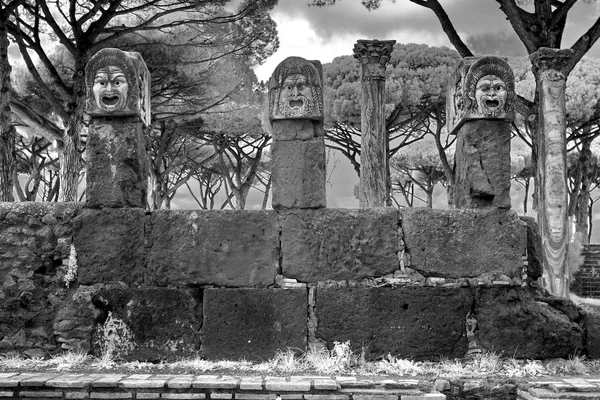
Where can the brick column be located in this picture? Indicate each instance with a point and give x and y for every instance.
(118, 103)
(298, 152)
(375, 184)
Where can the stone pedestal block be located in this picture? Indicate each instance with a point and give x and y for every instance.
(253, 324)
(299, 172)
(160, 323)
(110, 245)
(226, 248)
(483, 165)
(464, 243)
(338, 244)
(513, 323)
(117, 166)
(407, 322)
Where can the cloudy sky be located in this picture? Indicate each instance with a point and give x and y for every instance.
(327, 32)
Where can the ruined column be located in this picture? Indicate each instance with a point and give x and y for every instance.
(118, 103)
(298, 153)
(479, 110)
(551, 171)
(375, 183)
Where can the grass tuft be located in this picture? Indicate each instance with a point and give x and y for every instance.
(340, 359)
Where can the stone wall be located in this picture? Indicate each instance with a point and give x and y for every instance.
(160, 285)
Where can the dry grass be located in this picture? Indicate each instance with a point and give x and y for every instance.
(339, 360)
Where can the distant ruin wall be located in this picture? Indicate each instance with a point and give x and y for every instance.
(244, 284)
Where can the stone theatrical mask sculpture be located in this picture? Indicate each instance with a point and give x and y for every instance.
(296, 90)
(481, 88)
(117, 84)
(490, 86)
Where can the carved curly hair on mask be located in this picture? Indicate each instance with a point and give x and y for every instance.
(117, 58)
(296, 65)
(488, 65)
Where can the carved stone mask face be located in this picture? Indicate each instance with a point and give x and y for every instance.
(296, 98)
(110, 88)
(490, 94)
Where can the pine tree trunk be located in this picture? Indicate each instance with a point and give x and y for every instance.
(7, 131)
(70, 166)
(70, 151)
(583, 200)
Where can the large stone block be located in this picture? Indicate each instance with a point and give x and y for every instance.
(408, 322)
(226, 248)
(514, 323)
(110, 245)
(339, 244)
(464, 243)
(299, 174)
(253, 323)
(156, 323)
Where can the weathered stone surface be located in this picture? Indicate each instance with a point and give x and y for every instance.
(253, 323)
(31, 286)
(165, 323)
(407, 322)
(511, 322)
(299, 173)
(76, 319)
(117, 165)
(297, 129)
(227, 248)
(464, 243)
(110, 245)
(339, 244)
(535, 260)
(483, 165)
(30, 233)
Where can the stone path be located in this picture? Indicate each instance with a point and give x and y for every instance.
(29, 386)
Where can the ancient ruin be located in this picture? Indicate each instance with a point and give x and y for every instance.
(109, 276)
(479, 111)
